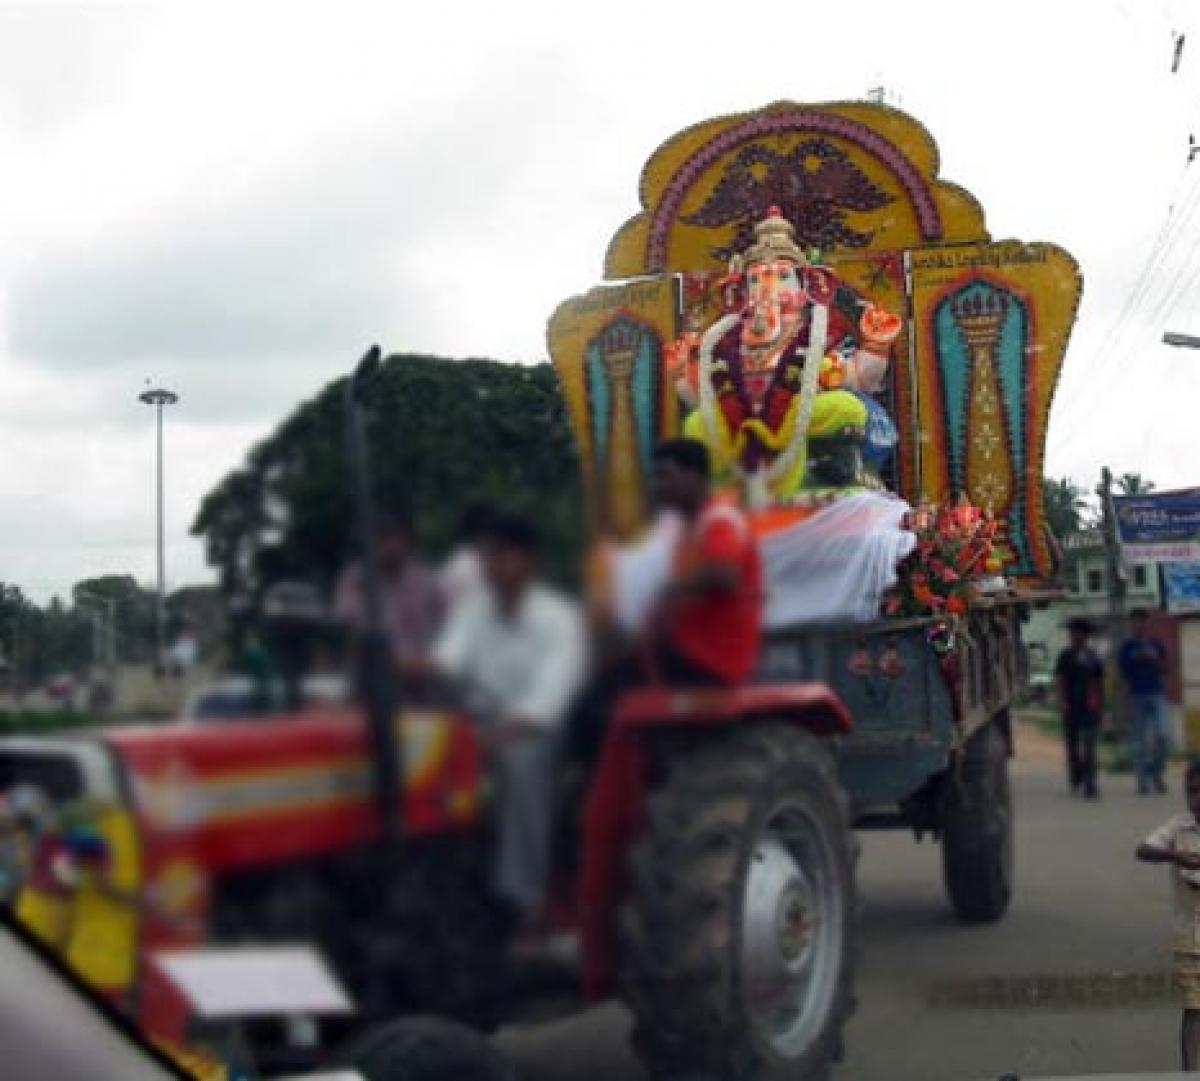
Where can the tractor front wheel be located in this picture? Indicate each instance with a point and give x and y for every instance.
(738, 936)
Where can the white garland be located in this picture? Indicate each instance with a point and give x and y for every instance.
(708, 397)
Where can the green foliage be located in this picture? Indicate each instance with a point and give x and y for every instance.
(131, 607)
(1066, 505)
(40, 722)
(1134, 484)
(442, 434)
(39, 642)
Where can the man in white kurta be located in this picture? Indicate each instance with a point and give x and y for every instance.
(519, 646)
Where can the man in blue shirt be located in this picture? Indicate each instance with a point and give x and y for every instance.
(1143, 663)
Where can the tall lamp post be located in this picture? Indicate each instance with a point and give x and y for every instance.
(158, 397)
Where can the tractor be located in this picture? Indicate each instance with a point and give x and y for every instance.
(707, 864)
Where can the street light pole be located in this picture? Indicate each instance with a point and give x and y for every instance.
(158, 397)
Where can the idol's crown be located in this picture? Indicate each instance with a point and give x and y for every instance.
(774, 238)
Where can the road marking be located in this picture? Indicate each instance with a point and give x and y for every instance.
(1051, 991)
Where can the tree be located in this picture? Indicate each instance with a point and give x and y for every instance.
(1134, 484)
(1065, 505)
(39, 642)
(133, 611)
(442, 433)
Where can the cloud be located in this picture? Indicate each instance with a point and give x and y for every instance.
(235, 200)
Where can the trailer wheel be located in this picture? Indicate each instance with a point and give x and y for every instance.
(427, 1049)
(977, 830)
(738, 938)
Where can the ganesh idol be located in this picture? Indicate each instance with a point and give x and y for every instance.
(792, 364)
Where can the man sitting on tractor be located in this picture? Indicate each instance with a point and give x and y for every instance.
(705, 625)
(518, 645)
(413, 606)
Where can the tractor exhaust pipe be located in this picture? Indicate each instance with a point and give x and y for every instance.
(375, 681)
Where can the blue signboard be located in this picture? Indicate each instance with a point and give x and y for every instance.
(1181, 587)
(1163, 526)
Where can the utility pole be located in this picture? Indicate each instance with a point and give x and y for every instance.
(1117, 588)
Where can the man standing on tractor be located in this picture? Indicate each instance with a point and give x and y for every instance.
(518, 645)
(705, 625)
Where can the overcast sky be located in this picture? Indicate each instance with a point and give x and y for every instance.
(235, 200)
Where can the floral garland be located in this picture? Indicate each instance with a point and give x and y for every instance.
(790, 438)
(955, 550)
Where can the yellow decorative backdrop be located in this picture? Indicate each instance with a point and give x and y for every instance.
(986, 324)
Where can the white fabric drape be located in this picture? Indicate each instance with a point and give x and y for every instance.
(834, 566)
(837, 564)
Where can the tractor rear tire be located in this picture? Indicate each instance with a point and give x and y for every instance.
(977, 830)
(427, 1049)
(738, 939)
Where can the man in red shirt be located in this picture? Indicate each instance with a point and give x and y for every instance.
(706, 625)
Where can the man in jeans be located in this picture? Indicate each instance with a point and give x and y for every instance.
(1143, 663)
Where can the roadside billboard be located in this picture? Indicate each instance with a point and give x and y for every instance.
(1181, 588)
(1160, 527)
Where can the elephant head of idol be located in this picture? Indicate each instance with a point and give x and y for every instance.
(776, 287)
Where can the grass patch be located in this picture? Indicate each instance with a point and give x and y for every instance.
(38, 722)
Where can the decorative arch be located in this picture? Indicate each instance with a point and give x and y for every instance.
(799, 121)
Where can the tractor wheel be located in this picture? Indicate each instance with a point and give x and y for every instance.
(738, 938)
(427, 1049)
(436, 944)
(977, 830)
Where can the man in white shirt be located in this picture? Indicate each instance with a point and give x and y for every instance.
(519, 646)
(1177, 842)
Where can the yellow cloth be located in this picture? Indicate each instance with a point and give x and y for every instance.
(103, 943)
(834, 411)
(94, 926)
(723, 455)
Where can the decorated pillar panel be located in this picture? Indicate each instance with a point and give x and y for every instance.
(610, 352)
(991, 324)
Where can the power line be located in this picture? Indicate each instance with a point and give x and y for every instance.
(1130, 319)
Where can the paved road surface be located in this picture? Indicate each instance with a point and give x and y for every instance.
(1084, 913)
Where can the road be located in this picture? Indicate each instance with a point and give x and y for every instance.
(943, 1002)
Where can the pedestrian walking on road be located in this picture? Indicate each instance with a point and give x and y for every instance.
(1079, 675)
(1177, 842)
(1143, 663)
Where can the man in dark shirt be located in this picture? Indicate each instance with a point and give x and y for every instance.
(1079, 674)
(1143, 664)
